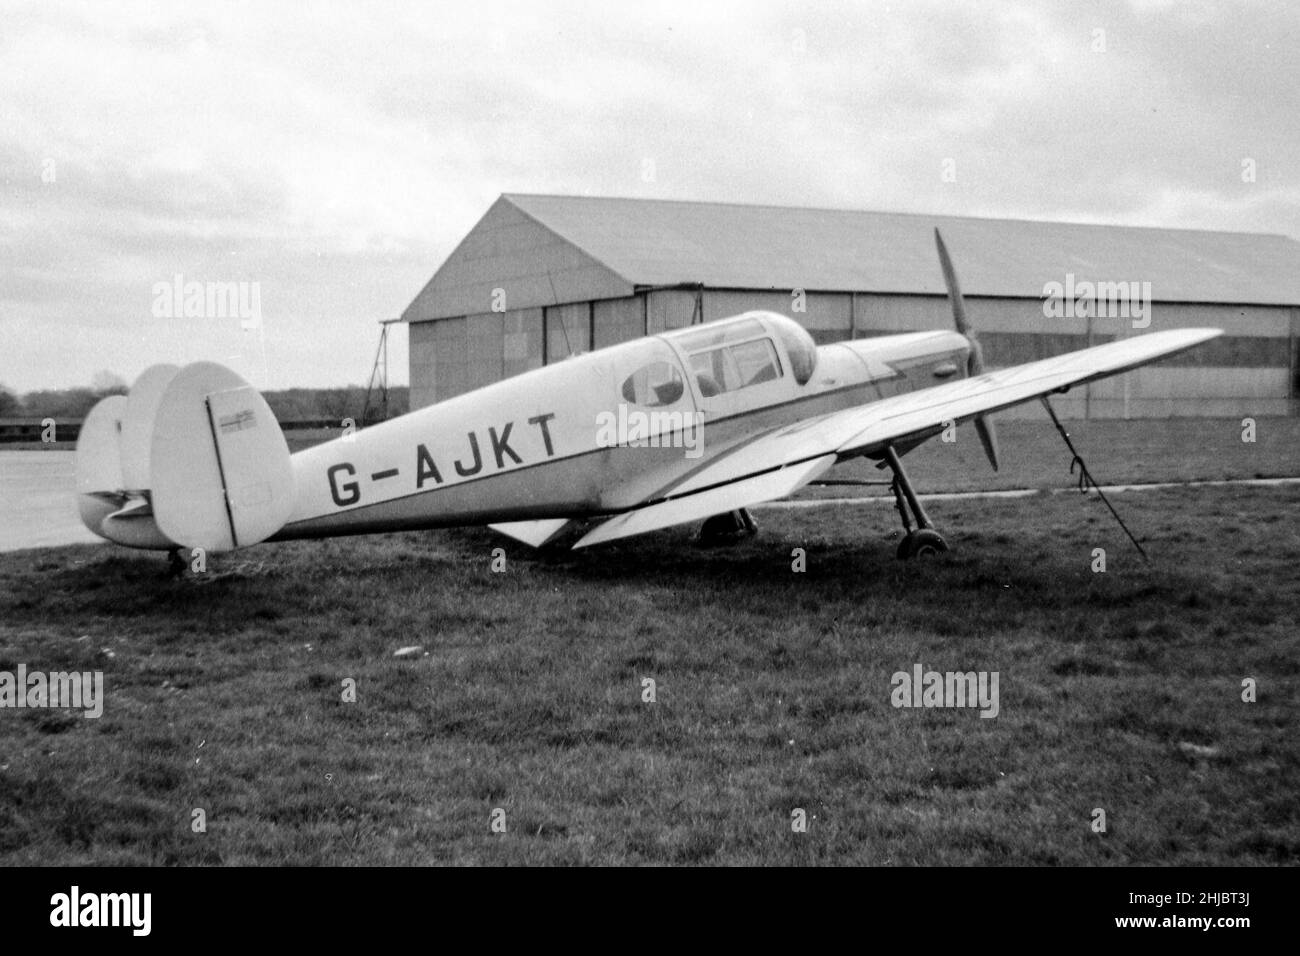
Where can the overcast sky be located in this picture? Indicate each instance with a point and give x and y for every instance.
(334, 155)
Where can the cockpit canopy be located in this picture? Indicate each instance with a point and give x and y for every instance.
(735, 353)
(799, 345)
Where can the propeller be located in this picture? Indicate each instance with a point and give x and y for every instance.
(975, 363)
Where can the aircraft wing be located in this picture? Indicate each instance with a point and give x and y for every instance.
(868, 428)
(774, 483)
(913, 413)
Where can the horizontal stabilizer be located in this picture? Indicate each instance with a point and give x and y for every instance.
(134, 526)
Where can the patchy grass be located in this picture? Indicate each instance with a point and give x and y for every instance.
(1119, 690)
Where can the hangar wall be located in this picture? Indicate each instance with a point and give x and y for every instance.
(1251, 370)
(539, 278)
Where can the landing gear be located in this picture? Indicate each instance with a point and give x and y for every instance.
(727, 528)
(924, 541)
(176, 563)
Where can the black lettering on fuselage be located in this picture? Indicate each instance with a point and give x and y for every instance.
(540, 421)
(425, 468)
(351, 488)
(478, 459)
(502, 444)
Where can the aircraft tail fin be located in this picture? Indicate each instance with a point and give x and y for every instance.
(193, 458)
(101, 490)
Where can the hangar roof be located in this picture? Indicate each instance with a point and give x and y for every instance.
(612, 246)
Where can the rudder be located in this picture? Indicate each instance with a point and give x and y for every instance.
(220, 472)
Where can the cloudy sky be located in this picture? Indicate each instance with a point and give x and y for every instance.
(334, 154)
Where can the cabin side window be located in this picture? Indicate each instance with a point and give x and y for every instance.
(734, 367)
(654, 386)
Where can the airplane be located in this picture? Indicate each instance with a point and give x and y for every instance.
(698, 423)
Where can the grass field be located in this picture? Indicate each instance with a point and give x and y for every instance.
(1119, 690)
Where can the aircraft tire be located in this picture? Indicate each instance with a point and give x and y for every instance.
(923, 543)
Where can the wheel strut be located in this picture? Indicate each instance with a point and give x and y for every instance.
(176, 563)
(903, 490)
(924, 540)
(728, 527)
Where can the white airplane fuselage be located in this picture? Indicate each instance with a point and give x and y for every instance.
(546, 443)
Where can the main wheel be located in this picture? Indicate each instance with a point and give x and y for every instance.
(727, 528)
(176, 563)
(922, 543)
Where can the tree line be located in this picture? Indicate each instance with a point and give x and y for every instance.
(289, 405)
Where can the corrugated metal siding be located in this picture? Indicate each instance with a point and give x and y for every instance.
(478, 355)
(720, 304)
(484, 349)
(568, 331)
(521, 344)
(1236, 351)
(914, 313)
(1068, 408)
(1248, 384)
(825, 313)
(619, 320)
(668, 309)
(451, 350)
(1234, 319)
(422, 355)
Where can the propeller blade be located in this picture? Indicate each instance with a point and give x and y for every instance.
(988, 438)
(975, 364)
(954, 289)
